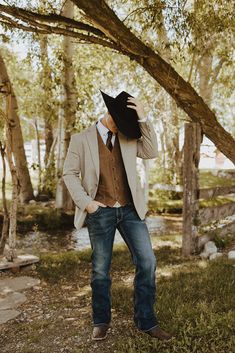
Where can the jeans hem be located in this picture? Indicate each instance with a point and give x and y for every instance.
(102, 324)
(150, 328)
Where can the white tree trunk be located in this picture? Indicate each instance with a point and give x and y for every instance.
(67, 115)
(26, 189)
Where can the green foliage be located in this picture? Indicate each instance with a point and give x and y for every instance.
(219, 242)
(42, 218)
(55, 267)
(208, 180)
(50, 181)
(161, 200)
(216, 201)
(171, 202)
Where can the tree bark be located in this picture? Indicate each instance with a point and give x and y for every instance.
(38, 155)
(46, 80)
(68, 116)
(6, 216)
(26, 189)
(9, 249)
(192, 143)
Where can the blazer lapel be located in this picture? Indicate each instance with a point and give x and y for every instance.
(128, 151)
(93, 145)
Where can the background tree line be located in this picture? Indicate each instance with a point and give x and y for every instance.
(184, 48)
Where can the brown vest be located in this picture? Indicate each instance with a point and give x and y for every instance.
(113, 184)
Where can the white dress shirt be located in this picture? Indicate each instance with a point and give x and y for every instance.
(103, 130)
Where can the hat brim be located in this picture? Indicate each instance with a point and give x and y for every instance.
(124, 117)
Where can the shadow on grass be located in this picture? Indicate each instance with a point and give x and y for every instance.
(69, 265)
(198, 307)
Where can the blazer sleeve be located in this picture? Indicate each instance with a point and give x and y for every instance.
(147, 147)
(71, 175)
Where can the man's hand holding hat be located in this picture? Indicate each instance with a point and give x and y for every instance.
(138, 106)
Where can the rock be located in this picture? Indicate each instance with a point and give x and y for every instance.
(15, 269)
(204, 255)
(42, 197)
(210, 248)
(215, 256)
(32, 202)
(17, 283)
(37, 287)
(231, 255)
(12, 300)
(6, 315)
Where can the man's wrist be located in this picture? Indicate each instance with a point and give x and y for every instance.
(143, 119)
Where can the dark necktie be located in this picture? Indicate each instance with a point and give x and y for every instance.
(109, 142)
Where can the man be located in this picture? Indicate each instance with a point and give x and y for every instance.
(109, 196)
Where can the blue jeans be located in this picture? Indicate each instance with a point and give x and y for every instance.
(102, 225)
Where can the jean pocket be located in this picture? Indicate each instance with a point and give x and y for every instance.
(94, 213)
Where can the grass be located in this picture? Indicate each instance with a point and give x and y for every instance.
(170, 202)
(198, 307)
(195, 301)
(175, 206)
(208, 180)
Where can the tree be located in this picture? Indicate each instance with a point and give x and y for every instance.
(26, 189)
(105, 28)
(68, 113)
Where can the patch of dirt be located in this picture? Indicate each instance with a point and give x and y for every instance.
(57, 318)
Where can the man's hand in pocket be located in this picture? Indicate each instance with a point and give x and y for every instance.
(93, 206)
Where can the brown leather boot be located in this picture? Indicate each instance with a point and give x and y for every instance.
(100, 332)
(157, 332)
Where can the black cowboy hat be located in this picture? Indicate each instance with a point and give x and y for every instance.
(124, 117)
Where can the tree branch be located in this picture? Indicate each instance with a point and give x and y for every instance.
(28, 16)
(36, 27)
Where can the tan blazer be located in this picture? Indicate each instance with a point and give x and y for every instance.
(81, 167)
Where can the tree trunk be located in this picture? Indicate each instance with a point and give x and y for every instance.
(9, 249)
(170, 121)
(6, 217)
(26, 189)
(38, 155)
(69, 105)
(205, 73)
(47, 115)
(192, 144)
(46, 82)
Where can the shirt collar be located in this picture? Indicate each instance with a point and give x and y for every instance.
(103, 129)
